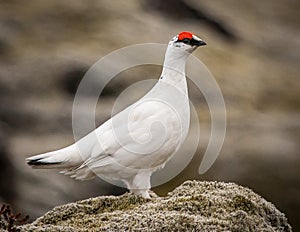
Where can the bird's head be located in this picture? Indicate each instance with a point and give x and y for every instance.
(186, 41)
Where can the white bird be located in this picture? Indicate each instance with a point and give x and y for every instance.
(134, 143)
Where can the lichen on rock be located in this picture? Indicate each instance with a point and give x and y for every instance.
(193, 206)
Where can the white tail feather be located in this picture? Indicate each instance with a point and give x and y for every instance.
(63, 158)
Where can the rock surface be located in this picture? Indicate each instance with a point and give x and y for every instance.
(193, 206)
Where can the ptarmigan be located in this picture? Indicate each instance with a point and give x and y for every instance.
(134, 143)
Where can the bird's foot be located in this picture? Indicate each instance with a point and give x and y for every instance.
(145, 194)
(142, 193)
(152, 194)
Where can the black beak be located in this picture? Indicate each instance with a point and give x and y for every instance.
(197, 42)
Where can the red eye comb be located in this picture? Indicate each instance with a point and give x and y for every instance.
(185, 35)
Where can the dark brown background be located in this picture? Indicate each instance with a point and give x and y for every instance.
(253, 52)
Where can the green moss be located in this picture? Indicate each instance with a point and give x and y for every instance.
(242, 203)
(110, 204)
(193, 206)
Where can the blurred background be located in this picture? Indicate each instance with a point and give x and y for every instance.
(253, 52)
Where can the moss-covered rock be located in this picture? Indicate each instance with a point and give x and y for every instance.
(193, 206)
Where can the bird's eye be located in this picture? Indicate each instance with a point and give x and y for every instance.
(186, 41)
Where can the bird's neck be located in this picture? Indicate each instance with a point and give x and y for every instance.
(173, 72)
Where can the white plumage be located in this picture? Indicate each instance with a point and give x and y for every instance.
(140, 139)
